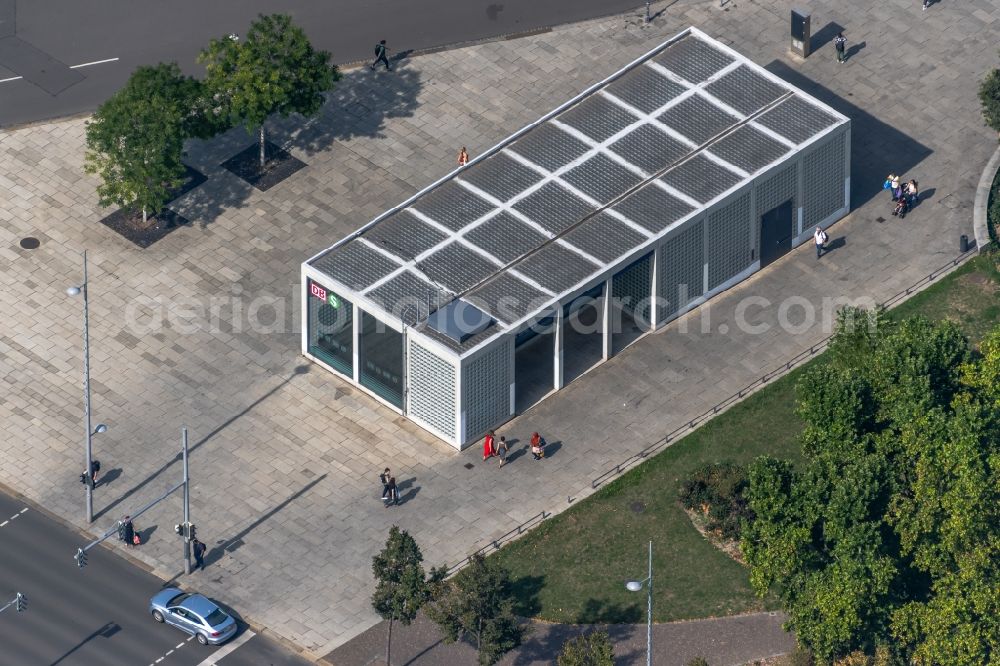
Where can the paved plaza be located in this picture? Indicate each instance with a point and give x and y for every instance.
(285, 456)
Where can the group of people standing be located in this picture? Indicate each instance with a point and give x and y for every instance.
(904, 195)
(493, 447)
(499, 448)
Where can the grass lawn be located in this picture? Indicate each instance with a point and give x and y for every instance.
(573, 568)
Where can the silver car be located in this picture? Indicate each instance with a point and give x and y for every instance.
(194, 614)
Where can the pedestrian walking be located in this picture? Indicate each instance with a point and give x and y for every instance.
(380, 56)
(912, 193)
(384, 478)
(897, 191)
(95, 467)
(489, 445)
(503, 451)
(840, 43)
(198, 548)
(820, 237)
(393, 492)
(537, 446)
(463, 157)
(927, 3)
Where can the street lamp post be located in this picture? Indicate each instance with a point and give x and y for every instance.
(88, 442)
(635, 586)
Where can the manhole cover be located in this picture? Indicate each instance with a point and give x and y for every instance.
(469, 465)
(637, 507)
(30, 243)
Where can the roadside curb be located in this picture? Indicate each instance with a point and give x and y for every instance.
(409, 53)
(87, 537)
(980, 225)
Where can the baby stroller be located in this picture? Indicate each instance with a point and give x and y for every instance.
(901, 207)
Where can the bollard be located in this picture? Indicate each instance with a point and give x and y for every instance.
(963, 243)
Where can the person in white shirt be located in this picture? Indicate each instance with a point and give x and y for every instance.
(820, 237)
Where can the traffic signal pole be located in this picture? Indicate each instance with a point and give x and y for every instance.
(187, 502)
(81, 553)
(19, 602)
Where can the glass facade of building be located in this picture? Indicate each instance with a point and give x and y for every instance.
(331, 328)
(380, 359)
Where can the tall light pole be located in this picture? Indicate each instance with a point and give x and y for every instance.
(76, 291)
(635, 586)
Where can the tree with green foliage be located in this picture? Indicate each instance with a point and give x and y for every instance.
(274, 70)
(401, 588)
(479, 602)
(135, 140)
(989, 96)
(593, 649)
(887, 540)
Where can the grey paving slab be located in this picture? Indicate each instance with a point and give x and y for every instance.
(202, 328)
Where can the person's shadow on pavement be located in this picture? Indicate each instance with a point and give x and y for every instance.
(855, 50)
(108, 478)
(835, 244)
(411, 491)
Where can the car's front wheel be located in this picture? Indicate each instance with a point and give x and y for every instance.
(202, 639)
(158, 616)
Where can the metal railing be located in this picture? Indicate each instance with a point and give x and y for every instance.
(783, 369)
(690, 425)
(536, 519)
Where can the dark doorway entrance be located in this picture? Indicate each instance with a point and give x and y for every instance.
(534, 363)
(776, 232)
(583, 333)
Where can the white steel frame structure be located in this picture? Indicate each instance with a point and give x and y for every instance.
(654, 190)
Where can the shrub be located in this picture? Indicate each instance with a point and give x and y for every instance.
(698, 661)
(989, 96)
(719, 487)
(800, 657)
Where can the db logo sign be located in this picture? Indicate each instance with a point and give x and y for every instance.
(323, 295)
(317, 291)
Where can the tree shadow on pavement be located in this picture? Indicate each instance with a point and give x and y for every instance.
(546, 641)
(358, 106)
(299, 370)
(877, 148)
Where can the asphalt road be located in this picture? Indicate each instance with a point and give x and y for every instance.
(45, 42)
(97, 615)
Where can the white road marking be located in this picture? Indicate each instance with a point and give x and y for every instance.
(83, 64)
(23, 510)
(227, 648)
(96, 62)
(170, 652)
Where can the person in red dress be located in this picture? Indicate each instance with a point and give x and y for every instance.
(489, 445)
